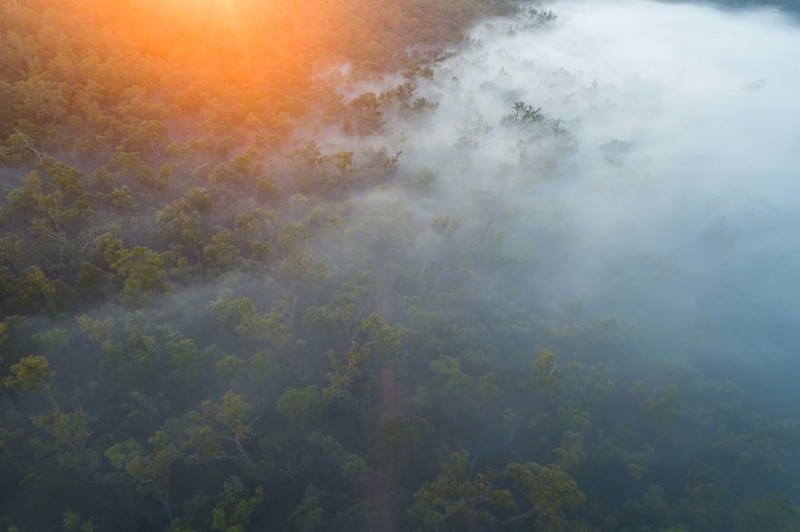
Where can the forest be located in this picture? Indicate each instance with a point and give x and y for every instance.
(341, 265)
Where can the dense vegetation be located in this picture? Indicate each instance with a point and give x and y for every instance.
(201, 328)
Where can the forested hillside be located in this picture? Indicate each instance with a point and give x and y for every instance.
(227, 303)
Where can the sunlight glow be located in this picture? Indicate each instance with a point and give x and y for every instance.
(219, 44)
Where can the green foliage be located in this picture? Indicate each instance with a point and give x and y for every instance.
(233, 511)
(398, 438)
(143, 272)
(523, 115)
(302, 407)
(771, 512)
(69, 431)
(365, 115)
(707, 505)
(309, 515)
(549, 489)
(32, 373)
(570, 453)
(73, 523)
(459, 498)
(545, 370)
(204, 327)
(150, 472)
(464, 391)
(348, 378)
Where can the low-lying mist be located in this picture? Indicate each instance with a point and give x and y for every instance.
(542, 278)
(649, 171)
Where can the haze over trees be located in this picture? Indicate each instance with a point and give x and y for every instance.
(367, 265)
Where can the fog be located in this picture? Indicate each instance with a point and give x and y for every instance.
(545, 278)
(659, 188)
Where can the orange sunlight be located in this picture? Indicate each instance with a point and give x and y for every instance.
(267, 47)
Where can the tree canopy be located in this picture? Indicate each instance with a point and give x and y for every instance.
(201, 331)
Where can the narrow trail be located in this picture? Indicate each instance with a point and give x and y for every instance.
(381, 481)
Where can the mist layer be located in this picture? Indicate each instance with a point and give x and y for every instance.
(659, 178)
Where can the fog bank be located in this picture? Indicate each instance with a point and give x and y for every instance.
(658, 186)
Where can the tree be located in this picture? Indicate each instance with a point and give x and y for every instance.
(69, 434)
(32, 374)
(234, 510)
(550, 491)
(523, 115)
(143, 272)
(218, 431)
(771, 512)
(365, 117)
(151, 472)
(459, 498)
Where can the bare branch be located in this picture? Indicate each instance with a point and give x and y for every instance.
(39, 155)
